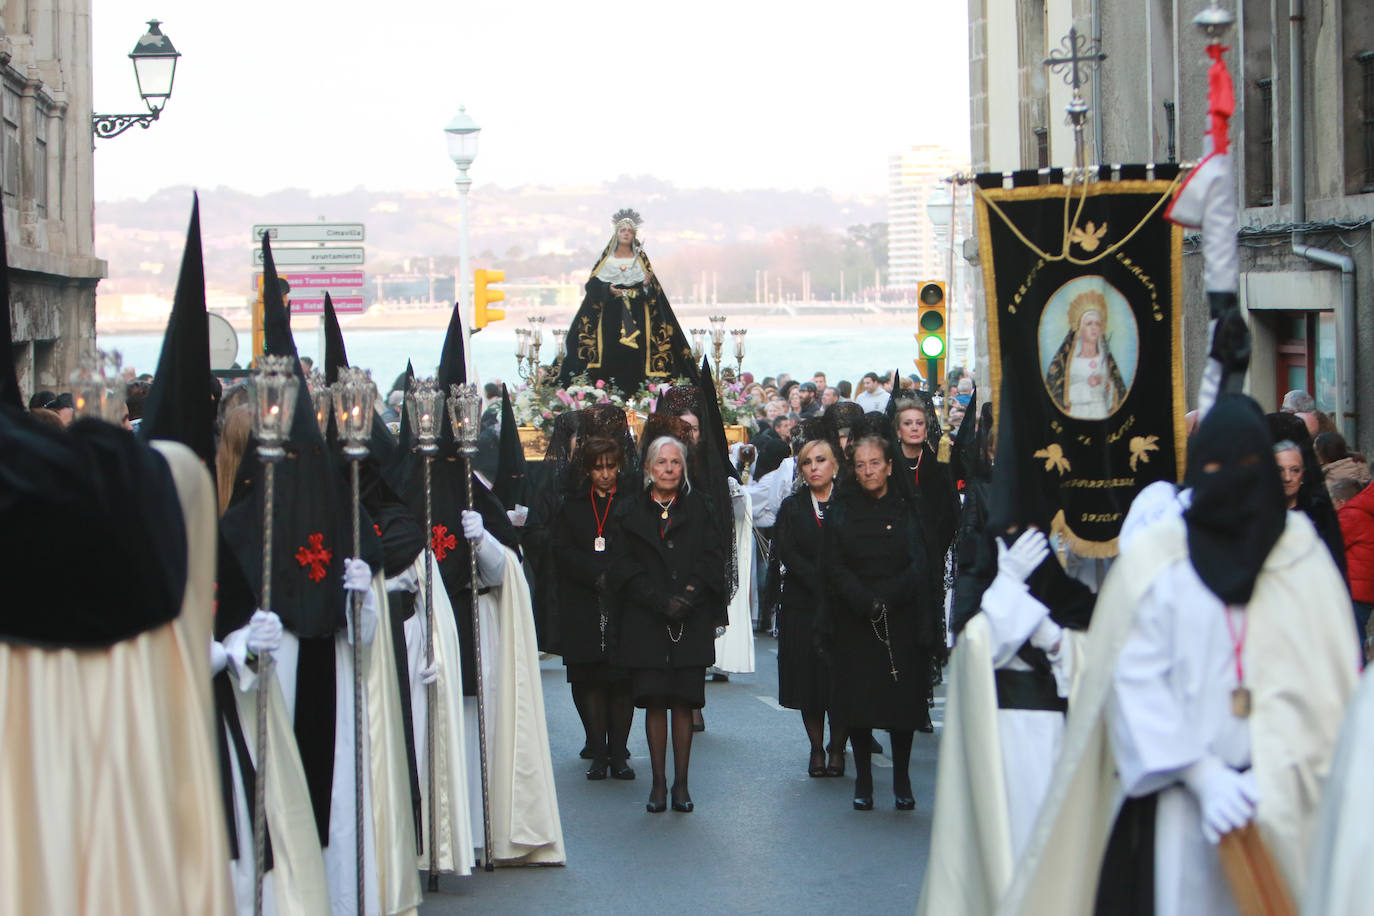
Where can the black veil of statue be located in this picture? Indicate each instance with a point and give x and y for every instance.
(630, 339)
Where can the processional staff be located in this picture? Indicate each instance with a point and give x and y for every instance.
(465, 413)
(425, 405)
(274, 389)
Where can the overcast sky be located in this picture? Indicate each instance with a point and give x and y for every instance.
(328, 96)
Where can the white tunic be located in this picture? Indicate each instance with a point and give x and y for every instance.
(735, 647)
(1090, 387)
(1171, 705)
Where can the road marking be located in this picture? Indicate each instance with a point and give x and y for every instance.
(771, 701)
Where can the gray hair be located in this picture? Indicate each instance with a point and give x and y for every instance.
(1286, 445)
(1298, 401)
(651, 455)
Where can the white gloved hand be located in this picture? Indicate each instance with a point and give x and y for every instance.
(519, 515)
(736, 488)
(431, 674)
(219, 658)
(264, 632)
(1020, 559)
(472, 525)
(1227, 798)
(357, 575)
(407, 580)
(1047, 635)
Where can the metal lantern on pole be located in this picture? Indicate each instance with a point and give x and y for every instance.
(353, 396)
(738, 334)
(273, 393)
(717, 340)
(320, 397)
(155, 68)
(424, 407)
(460, 135)
(698, 343)
(465, 415)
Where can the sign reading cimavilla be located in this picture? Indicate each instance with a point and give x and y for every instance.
(322, 258)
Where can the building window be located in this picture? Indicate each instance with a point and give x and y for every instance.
(40, 162)
(1266, 142)
(1366, 62)
(1042, 147)
(10, 118)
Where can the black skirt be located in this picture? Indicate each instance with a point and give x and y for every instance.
(803, 675)
(658, 688)
(595, 672)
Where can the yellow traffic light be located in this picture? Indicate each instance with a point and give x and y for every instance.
(931, 329)
(483, 297)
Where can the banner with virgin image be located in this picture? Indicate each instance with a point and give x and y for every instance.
(1083, 283)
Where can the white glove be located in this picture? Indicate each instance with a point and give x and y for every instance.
(219, 658)
(736, 488)
(518, 515)
(407, 580)
(431, 674)
(357, 575)
(472, 525)
(264, 632)
(1227, 798)
(1020, 559)
(1047, 635)
(491, 560)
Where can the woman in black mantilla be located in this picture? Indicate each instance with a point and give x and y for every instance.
(583, 542)
(885, 625)
(803, 663)
(625, 332)
(667, 573)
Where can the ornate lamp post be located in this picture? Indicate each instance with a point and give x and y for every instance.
(465, 415)
(353, 396)
(274, 388)
(461, 136)
(155, 68)
(738, 334)
(717, 340)
(425, 406)
(698, 343)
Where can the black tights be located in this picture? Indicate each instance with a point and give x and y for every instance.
(656, 731)
(861, 739)
(814, 721)
(606, 713)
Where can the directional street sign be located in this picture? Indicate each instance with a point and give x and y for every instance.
(326, 257)
(309, 232)
(325, 279)
(313, 304)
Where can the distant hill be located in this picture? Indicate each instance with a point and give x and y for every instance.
(532, 232)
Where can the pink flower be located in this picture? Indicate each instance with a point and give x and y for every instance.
(548, 415)
(601, 383)
(563, 396)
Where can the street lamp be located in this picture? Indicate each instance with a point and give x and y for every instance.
(461, 136)
(155, 68)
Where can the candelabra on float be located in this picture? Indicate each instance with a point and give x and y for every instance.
(274, 389)
(698, 344)
(738, 334)
(717, 340)
(528, 342)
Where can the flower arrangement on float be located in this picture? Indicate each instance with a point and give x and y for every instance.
(539, 407)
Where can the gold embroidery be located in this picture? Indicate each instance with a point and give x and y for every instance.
(1054, 458)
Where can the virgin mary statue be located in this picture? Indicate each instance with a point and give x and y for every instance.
(1083, 377)
(625, 333)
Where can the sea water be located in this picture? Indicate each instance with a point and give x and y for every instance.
(839, 352)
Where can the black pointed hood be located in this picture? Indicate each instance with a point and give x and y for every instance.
(9, 378)
(181, 404)
(713, 423)
(509, 485)
(968, 458)
(335, 356)
(452, 371)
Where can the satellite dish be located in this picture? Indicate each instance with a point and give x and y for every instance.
(224, 342)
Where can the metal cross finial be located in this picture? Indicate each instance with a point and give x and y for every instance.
(1078, 51)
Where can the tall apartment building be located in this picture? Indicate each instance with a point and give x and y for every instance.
(47, 186)
(912, 253)
(1301, 294)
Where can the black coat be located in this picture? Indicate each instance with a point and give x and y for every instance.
(647, 570)
(799, 543)
(578, 567)
(875, 551)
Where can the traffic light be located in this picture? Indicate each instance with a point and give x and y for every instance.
(482, 297)
(932, 330)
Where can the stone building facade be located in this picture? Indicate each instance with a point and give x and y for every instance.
(47, 185)
(1149, 102)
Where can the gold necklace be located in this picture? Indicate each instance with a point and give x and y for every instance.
(664, 506)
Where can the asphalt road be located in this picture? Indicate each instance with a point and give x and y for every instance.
(764, 838)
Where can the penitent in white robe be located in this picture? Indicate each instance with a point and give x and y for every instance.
(525, 824)
(735, 647)
(1300, 664)
(455, 841)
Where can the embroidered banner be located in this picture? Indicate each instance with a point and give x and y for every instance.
(1083, 287)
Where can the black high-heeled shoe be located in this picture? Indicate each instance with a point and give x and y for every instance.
(816, 765)
(598, 769)
(864, 803)
(835, 769)
(622, 770)
(656, 807)
(685, 806)
(905, 802)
